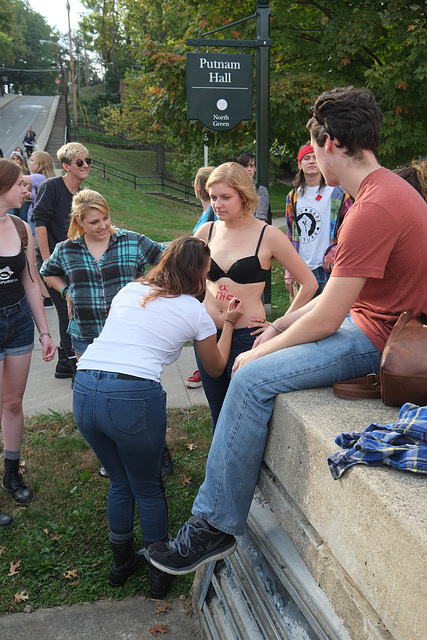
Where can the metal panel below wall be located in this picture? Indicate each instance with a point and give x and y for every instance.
(263, 591)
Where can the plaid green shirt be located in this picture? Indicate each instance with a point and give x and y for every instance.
(92, 284)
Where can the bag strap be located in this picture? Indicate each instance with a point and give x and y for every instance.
(367, 387)
(23, 234)
(21, 229)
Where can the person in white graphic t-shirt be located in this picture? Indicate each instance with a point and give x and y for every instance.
(314, 212)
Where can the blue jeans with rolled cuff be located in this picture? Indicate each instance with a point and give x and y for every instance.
(123, 418)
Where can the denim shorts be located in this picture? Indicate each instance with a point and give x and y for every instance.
(16, 329)
(80, 346)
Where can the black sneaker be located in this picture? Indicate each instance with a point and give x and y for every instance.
(196, 543)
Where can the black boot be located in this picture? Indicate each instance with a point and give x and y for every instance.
(160, 583)
(13, 482)
(125, 562)
(63, 367)
(5, 520)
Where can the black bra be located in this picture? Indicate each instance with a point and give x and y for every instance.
(243, 271)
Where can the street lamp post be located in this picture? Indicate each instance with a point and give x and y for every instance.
(64, 85)
(73, 84)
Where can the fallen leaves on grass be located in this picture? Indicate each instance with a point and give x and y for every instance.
(53, 536)
(190, 446)
(70, 574)
(19, 597)
(2, 549)
(158, 628)
(13, 568)
(185, 480)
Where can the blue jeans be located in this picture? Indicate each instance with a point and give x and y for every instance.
(241, 433)
(124, 421)
(216, 388)
(322, 278)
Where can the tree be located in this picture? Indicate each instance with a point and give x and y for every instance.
(379, 45)
(316, 45)
(24, 56)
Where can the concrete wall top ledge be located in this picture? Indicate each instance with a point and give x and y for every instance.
(373, 519)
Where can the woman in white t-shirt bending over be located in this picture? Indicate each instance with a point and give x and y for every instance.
(119, 404)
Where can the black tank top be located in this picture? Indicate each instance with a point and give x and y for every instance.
(243, 271)
(11, 287)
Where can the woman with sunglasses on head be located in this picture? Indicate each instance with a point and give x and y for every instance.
(243, 249)
(119, 404)
(51, 217)
(20, 302)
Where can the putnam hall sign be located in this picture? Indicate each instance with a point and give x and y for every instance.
(219, 89)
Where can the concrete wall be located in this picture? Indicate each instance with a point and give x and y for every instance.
(363, 538)
(370, 553)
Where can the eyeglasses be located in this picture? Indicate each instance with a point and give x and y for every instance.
(80, 163)
(320, 121)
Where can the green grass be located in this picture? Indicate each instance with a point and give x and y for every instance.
(157, 218)
(278, 193)
(60, 539)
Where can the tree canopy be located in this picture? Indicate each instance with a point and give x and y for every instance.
(381, 45)
(316, 45)
(23, 59)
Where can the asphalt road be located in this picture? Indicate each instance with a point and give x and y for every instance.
(16, 116)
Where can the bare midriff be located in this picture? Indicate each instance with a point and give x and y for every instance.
(219, 294)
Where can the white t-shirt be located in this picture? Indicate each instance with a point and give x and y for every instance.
(314, 219)
(139, 340)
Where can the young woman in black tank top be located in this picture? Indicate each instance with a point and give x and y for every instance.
(20, 299)
(242, 251)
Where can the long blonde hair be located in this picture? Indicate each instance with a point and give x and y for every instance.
(44, 163)
(83, 201)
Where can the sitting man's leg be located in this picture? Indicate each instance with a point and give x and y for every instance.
(222, 504)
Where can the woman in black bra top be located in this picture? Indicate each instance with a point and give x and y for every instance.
(20, 299)
(242, 251)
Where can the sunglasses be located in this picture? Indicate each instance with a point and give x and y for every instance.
(80, 163)
(320, 120)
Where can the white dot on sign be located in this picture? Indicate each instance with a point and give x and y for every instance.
(222, 104)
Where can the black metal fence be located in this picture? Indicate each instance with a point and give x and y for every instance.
(149, 184)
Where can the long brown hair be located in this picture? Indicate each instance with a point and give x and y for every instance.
(9, 174)
(181, 270)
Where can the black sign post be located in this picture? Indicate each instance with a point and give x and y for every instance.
(219, 89)
(206, 109)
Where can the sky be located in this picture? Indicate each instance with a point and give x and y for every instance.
(56, 14)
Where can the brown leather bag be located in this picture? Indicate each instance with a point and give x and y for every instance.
(403, 371)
